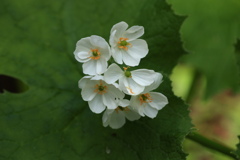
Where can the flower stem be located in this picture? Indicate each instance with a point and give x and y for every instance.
(212, 144)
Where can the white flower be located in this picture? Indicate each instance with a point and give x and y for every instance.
(116, 118)
(99, 94)
(148, 103)
(93, 52)
(130, 82)
(125, 46)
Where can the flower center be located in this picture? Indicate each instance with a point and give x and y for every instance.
(100, 88)
(119, 108)
(95, 54)
(123, 44)
(145, 98)
(128, 74)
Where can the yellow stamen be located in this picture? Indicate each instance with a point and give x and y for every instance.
(122, 109)
(125, 68)
(123, 44)
(95, 54)
(145, 98)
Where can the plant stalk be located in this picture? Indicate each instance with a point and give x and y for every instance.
(213, 145)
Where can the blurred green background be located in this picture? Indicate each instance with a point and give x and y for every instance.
(216, 118)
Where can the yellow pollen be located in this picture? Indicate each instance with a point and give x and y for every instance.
(95, 54)
(100, 88)
(123, 44)
(125, 68)
(122, 109)
(145, 98)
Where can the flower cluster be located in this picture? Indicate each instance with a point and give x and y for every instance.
(104, 88)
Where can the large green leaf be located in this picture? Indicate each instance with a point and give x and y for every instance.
(209, 33)
(50, 120)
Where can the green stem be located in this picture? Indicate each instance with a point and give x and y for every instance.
(194, 85)
(212, 144)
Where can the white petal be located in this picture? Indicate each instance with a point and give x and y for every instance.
(98, 41)
(88, 91)
(101, 66)
(143, 77)
(136, 105)
(134, 102)
(123, 103)
(105, 118)
(105, 53)
(120, 29)
(82, 56)
(115, 85)
(134, 32)
(155, 84)
(139, 48)
(121, 85)
(159, 100)
(149, 111)
(113, 73)
(83, 45)
(115, 92)
(141, 110)
(117, 55)
(117, 120)
(110, 111)
(109, 101)
(113, 40)
(129, 60)
(83, 81)
(132, 87)
(132, 115)
(97, 77)
(90, 67)
(82, 60)
(96, 104)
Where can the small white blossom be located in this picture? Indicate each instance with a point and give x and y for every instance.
(99, 94)
(116, 118)
(125, 46)
(93, 52)
(130, 82)
(149, 103)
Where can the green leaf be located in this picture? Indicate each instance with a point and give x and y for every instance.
(50, 120)
(237, 152)
(209, 33)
